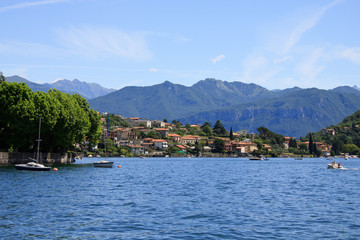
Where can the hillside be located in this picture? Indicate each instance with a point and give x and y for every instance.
(293, 114)
(172, 101)
(87, 90)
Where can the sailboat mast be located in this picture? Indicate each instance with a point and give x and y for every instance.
(38, 140)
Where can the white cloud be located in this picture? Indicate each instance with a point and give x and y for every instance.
(96, 42)
(353, 54)
(306, 25)
(153, 69)
(217, 59)
(30, 4)
(314, 64)
(280, 60)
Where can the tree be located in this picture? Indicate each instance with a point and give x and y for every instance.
(66, 119)
(165, 120)
(18, 123)
(311, 144)
(231, 134)
(351, 148)
(219, 146)
(2, 78)
(292, 143)
(219, 129)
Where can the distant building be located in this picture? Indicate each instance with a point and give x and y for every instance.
(160, 143)
(328, 131)
(157, 123)
(136, 149)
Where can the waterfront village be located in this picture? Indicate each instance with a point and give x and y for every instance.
(156, 138)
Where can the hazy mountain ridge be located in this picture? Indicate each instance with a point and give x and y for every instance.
(172, 101)
(293, 114)
(294, 111)
(87, 90)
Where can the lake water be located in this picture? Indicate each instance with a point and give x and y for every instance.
(189, 198)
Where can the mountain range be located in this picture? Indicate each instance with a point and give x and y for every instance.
(291, 112)
(87, 90)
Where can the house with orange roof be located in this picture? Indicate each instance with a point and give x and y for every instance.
(174, 137)
(147, 143)
(188, 140)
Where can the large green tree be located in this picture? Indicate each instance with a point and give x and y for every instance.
(17, 116)
(66, 119)
(219, 129)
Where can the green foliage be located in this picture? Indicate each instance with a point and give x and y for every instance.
(117, 121)
(231, 134)
(219, 146)
(347, 133)
(66, 119)
(351, 148)
(270, 137)
(219, 129)
(2, 77)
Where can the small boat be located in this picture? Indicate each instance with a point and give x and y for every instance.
(334, 165)
(33, 164)
(104, 164)
(256, 158)
(298, 158)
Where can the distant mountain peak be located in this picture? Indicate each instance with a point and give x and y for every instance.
(87, 90)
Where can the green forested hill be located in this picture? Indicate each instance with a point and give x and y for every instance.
(172, 101)
(293, 114)
(347, 135)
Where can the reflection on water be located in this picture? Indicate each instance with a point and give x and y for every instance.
(194, 198)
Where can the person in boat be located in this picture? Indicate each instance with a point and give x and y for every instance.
(339, 165)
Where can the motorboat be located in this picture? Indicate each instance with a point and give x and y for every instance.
(256, 158)
(335, 165)
(32, 166)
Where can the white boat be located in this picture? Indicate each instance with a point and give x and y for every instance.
(298, 158)
(104, 163)
(33, 164)
(256, 158)
(335, 165)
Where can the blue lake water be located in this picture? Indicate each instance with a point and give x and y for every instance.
(189, 198)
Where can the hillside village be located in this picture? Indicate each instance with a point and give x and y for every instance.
(156, 138)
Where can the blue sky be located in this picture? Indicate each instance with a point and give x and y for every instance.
(277, 44)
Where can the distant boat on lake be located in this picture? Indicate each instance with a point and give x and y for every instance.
(34, 164)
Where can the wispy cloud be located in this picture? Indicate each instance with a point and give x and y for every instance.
(217, 59)
(30, 4)
(312, 65)
(153, 69)
(97, 42)
(306, 25)
(352, 54)
(280, 60)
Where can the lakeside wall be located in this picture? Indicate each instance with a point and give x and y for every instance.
(11, 158)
